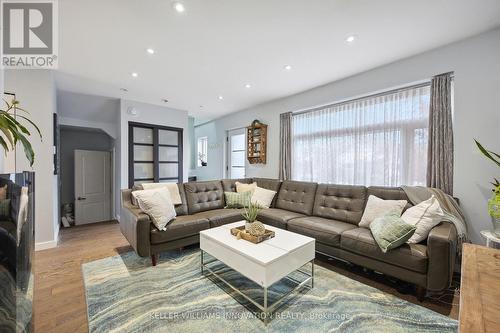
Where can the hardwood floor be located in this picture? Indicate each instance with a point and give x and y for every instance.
(59, 296)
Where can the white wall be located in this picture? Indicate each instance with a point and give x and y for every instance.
(36, 92)
(150, 114)
(476, 63)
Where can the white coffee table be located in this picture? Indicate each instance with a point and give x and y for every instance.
(265, 263)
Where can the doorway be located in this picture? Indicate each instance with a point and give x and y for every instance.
(236, 153)
(86, 172)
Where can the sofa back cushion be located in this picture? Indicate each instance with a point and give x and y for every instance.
(269, 184)
(340, 202)
(296, 196)
(229, 184)
(202, 196)
(389, 193)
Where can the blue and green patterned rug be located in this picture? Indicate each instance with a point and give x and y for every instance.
(125, 294)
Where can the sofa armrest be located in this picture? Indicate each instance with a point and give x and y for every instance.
(441, 251)
(136, 226)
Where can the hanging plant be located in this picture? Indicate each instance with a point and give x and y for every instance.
(12, 131)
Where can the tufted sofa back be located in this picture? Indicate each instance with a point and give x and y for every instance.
(296, 196)
(340, 202)
(202, 196)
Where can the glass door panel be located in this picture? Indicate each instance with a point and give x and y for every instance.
(168, 154)
(143, 153)
(166, 137)
(143, 135)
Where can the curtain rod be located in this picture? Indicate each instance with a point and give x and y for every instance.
(424, 83)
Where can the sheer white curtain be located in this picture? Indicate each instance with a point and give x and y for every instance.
(379, 140)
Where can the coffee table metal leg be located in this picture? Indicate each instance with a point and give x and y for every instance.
(266, 319)
(201, 261)
(312, 273)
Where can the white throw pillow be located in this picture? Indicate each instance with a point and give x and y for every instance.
(241, 187)
(376, 207)
(424, 216)
(157, 204)
(175, 196)
(262, 197)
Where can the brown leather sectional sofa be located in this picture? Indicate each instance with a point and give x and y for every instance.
(329, 213)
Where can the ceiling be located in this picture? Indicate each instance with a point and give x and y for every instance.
(217, 47)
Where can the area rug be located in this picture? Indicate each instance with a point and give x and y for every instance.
(126, 294)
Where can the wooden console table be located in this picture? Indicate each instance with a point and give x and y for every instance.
(480, 290)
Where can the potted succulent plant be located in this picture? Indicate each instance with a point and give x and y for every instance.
(494, 202)
(12, 131)
(252, 226)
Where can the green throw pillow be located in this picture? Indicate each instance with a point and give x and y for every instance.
(5, 210)
(238, 200)
(391, 231)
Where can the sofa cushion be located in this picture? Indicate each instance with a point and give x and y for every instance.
(409, 256)
(269, 184)
(229, 185)
(340, 202)
(218, 217)
(202, 196)
(323, 230)
(277, 217)
(388, 193)
(181, 227)
(181, 209)
(297, 197)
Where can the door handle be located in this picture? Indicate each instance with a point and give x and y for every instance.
(81, 198)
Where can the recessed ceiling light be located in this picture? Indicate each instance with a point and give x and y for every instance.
(164, 100)
(134, 74)
(220, 98)
(201, 106)
(287, 67)
(179, 7)
(248, 85)
(350, 38)
(124, 89)
(150, 51)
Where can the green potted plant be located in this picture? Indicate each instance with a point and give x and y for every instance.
(494, 202)
(12, 131)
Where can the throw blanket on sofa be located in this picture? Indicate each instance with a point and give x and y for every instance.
(452, 211)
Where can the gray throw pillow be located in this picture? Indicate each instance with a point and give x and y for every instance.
(390, 231)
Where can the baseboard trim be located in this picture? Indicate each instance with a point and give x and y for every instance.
(45, 245)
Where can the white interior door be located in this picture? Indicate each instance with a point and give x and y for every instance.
(237, 153)
(92, 186)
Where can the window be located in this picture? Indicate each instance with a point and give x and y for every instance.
(202, 151)
(377, 140)
(155, 154)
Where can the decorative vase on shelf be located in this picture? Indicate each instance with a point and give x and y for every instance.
(494, 210)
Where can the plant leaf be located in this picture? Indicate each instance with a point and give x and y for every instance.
(32, 124)
(4, 145)
(28, 150)
(486, 153)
